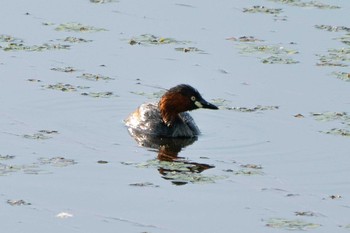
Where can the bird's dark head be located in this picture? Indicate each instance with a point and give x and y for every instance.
(181, 98)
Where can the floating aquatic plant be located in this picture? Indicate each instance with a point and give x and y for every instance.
(286, 224)
(245, 39)
(144, 184)
(106, 94)
(67, 69)
(262, 9)
(77, 27)
(72, 39)
(149, 39)
(278, 54)
(335, 57)
(301, 3)
(64, 87)
(278, 60)
(331, 28)
(17, 202)
(254, 109)
(34, 48)
(342, 75)
(189, 49)
(94, 77)
(331, 116)
(57, 161)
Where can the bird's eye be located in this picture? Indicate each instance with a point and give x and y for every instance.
(193, 98)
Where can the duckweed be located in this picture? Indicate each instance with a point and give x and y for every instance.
(286, 224)
(77, 27)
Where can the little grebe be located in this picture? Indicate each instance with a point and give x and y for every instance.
(169, 117)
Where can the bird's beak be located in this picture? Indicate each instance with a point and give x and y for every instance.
(205, 104)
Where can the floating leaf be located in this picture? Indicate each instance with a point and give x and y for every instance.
(331, 116)
(144, 184)
(278, 60)
(33, 48)
(341, 132)
(245, 39)
(189, 49)
(94, 77)
(254, 109)
(106, 94)
(313, 4)
(67, 69)
(72, 39)
(36, 136)
(291, 224)
(331, 28)
(342, 75)
(64, 87)
(262, 9)
(6, 157)
(149, 95)
(57, 161)
(154, 40)
(17, 202)
(77, 27)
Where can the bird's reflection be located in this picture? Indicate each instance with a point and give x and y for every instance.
(171, 166)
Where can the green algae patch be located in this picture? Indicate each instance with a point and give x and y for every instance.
(342, 117)
(106, 94)
(17, 202)
(149, 39)
(190, 50)
(309, 4)
(278, 54)
(144, 184)
(342, 75)
(72, 39)
(6, 157)
(67, 69)
(253, 109)
(262, 9)
(331, 116)
(33, 48)
(337, 131)
(285, 224)
(278, 60)
(331, 28)
(77, 27)
(344, 39)
(94, 77)
(335, 57)
(57, 161)
(253, 48)
(64, 87)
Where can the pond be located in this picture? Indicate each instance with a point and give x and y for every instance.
(274, 156)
